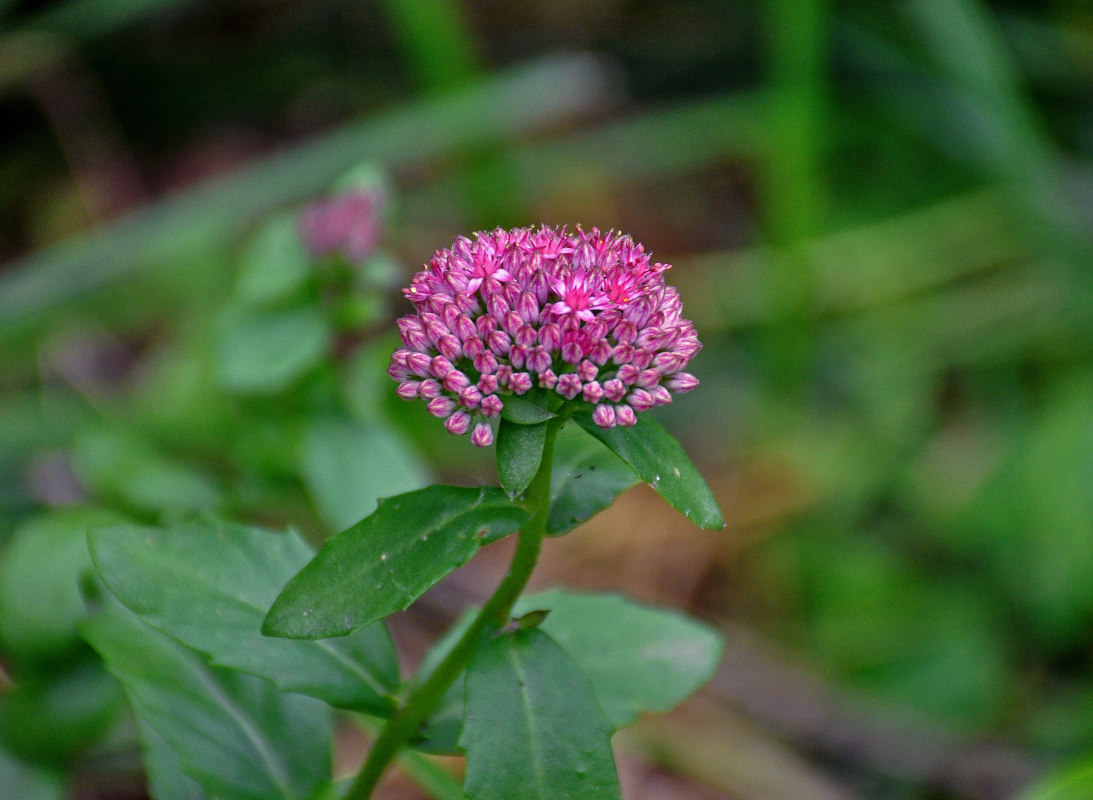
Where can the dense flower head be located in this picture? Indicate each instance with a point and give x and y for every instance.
(586, 315)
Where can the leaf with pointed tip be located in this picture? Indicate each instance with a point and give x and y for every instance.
(658, 458)
(519, 453)
(390, 558)
(533, 729)
(234, 734)
(525, 409)
(638, 658)
(209, 585)
(586, 479)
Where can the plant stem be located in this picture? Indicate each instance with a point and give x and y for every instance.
(424, 698)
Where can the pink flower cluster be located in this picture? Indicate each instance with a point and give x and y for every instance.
(347, 224)
(585, 315)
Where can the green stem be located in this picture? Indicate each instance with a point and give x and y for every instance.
(425, 697)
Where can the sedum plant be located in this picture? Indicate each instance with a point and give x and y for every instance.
(235, 644)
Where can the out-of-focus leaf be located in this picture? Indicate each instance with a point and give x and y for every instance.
(1072, 783)
(519, 453)
(209, 586)
(122, 466)
(638, 658)
(1027, 519)
(365, 384)
(52, 717)
(586, 479)
(27, 781)
(264, 351)
(348, 466)
(660, 461)
(274, 264)
(40, 601)
(390, 558)
(533, 729)
(881, 625)
(234, 734)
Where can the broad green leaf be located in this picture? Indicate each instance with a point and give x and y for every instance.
(349, 465)
(586, 480)
(525, 409)
(209, 585)
(390, 558)
(166, 779)
(40, 601)
(234, 734)
(533, 729)
(274, 263)
(264, 351)
(638, 658)
(519, 453)
(660, 461)
(26, 781)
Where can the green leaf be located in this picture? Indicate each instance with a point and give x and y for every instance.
(40, 600)
(274, 263)
(264, 351)
(519, 453)
(660, 461)
(234, 734)
(166, 778)
(638, 658)
(1072, 783)
(26, 781)
(348, 466)
(209, 586)
(525, 409)
(53, 717)
(390, 558)
(533, 728)
(117, 463)
(586, 480)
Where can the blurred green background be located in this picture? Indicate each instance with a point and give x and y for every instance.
(879, 216)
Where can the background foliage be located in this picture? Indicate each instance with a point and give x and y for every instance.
(879, 220)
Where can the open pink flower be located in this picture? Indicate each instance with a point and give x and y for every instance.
(581, 294)
(583, 314)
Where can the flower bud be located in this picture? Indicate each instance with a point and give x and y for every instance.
(458, 423)
(604, 415)
(482, 436)
(491, 405)
(520, 382)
